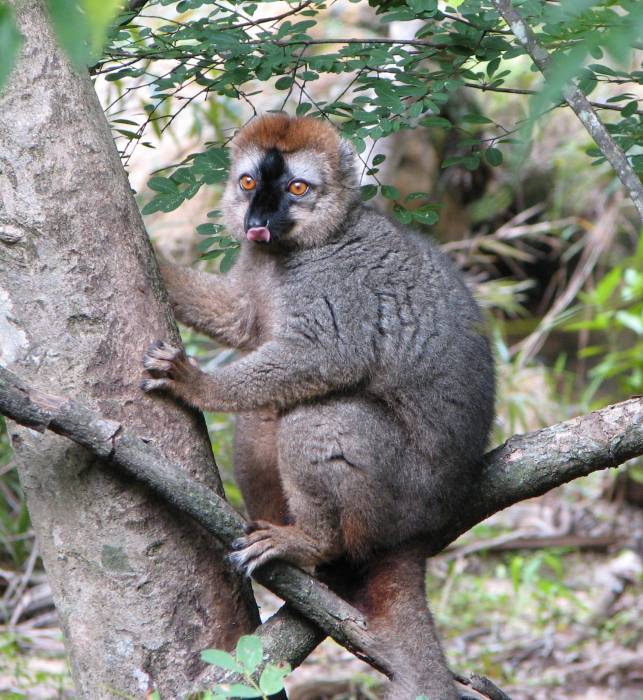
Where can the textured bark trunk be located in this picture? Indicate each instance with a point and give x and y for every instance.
(139, 589)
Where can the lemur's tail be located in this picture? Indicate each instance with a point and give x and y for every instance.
(393, 597)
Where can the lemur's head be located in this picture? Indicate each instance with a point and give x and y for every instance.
(292, 181)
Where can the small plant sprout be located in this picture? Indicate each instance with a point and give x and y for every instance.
(246, 662)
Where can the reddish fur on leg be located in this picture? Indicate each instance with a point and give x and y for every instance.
(393, 598)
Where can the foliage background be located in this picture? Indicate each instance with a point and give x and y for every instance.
(459, 136)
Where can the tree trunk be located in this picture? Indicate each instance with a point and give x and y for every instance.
(140, 589)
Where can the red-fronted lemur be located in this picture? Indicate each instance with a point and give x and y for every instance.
(364, 388)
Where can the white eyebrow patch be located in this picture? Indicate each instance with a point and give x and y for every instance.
(248, 162)
(307, 165)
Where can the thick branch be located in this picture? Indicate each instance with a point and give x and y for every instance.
(577, 101)
(139, 457)
(524, 467)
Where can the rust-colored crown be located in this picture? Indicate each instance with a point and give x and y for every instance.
(289, 134)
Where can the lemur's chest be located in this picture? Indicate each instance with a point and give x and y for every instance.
(262, 291)
(301, 289)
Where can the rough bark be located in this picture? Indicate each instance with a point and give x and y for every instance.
(578, 102)
(524, 467)
(140, 591)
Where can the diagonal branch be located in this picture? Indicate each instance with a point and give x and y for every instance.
(525, 466)
(577, 101)
(139, 457)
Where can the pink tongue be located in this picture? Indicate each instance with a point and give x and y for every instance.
(259, 233)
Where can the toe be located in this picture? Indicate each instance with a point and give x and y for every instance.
(148, 385)
(153, 363)
(161, 350)
(252, 556)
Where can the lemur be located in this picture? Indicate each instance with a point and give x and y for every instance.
(364, 389)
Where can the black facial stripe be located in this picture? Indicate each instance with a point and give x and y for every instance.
(273, 166)
(270, 203)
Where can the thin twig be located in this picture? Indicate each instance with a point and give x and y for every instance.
(522, 91)
(577, 101)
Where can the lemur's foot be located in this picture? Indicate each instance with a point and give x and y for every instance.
(264, 541)
(170, 368)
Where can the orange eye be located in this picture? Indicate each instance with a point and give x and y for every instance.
(298, 187)
(247, 183)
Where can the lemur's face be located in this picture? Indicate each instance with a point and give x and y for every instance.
(278, 192)
(286, 190)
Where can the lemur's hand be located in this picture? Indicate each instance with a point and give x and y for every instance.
(172, 370)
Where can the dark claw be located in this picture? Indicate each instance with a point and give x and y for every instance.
(239, 543)
(237, 561)
(251, 527)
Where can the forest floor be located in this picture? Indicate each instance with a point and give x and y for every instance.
(545, 598)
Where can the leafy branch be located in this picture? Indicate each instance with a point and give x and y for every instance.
(577, 101)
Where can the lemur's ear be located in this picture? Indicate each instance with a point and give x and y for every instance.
(347, 156)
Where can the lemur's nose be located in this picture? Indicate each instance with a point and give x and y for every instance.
(256, 220)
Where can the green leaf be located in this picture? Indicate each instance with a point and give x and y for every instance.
(421, 6)
(390, 192)
(471, 162)
(249, 647)
(213, 254)
(81, 26)
(228, 259)
(403, 215)
(434, 121)
(10, 42)
(162, 184)
(212, 165)
(476, 119)
(630, 109)
(72, 30)
(217, 657)
(163, 202)
(452, 160)
(379, 158)
(493, 156)
(425, 215)
(415, 195)
(606, 287)
(492, 67)
(272, 678)
(208, 229)
(203, 245)
(100, 14)
(284, 82)
(184, 175)
(368, 192)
